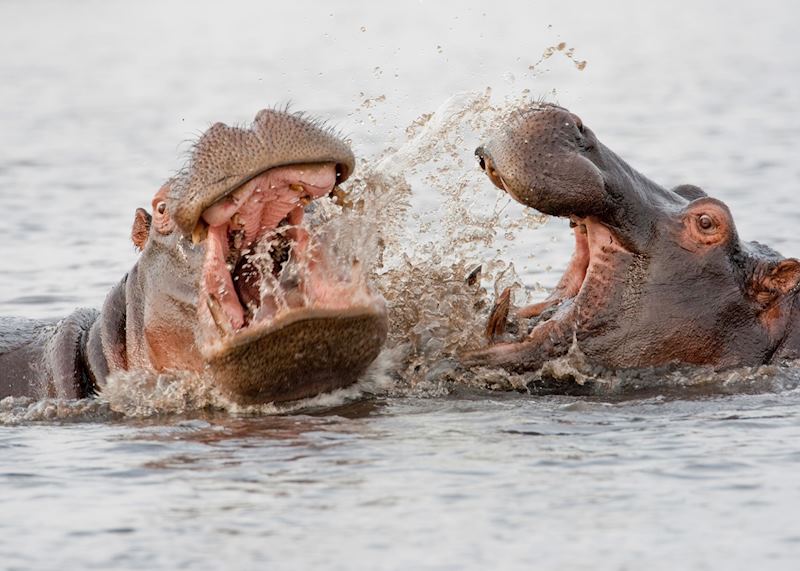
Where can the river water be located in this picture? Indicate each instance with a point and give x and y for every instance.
(98, 105)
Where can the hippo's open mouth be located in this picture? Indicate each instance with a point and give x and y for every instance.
(590, 268)
(256, 248)
(584, 288)
(262, 269)
(586, 279)
(272, 308)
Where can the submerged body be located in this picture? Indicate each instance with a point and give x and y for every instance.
(658, 276)
(229, 282)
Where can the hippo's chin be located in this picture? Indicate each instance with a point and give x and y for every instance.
(300, 354)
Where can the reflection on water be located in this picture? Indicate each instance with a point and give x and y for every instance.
(411, 471)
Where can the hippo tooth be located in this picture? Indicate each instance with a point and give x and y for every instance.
(238, 239)
(297, 187)
(219, 319)
(221, 211)
(200, 232)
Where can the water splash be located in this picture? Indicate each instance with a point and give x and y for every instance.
(23, 410)
(444, 230)
(146, 393)
(559, 48)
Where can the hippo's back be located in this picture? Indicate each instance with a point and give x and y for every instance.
(22, 343)
(16, 332)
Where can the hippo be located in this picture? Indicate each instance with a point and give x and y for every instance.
(228, 282)
(658, 278)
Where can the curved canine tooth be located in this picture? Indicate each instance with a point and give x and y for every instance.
(218, 282)
(297, 187)
(497, 322)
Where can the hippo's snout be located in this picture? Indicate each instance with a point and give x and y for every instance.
(546, 159)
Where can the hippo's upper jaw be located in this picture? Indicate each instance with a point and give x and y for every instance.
(267, 315)
(225, 158)
(658, 276)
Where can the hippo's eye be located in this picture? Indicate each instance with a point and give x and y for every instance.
(706, 223)
(161, 207)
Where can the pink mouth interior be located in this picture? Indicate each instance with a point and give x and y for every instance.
(267, 209)
(593, 245)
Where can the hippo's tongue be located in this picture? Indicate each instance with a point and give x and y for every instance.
(248, 215)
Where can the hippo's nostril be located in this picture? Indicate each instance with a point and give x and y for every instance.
(481, 161)
(488, 167)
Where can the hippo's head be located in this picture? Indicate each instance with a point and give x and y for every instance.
(658, 276)
(230, 281)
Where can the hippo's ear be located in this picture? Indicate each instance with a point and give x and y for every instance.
(784, 277)
(777, 281)
(141, 228)
(689, 191)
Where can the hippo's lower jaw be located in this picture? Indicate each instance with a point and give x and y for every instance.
(300, 354)
(277, 323)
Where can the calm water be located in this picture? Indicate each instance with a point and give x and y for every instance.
(98, 101)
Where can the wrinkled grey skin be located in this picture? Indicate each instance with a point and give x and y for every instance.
(149, 320)
(670, 281)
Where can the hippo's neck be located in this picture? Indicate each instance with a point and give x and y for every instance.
(653, 201)
(622, 178)
(105, 349)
